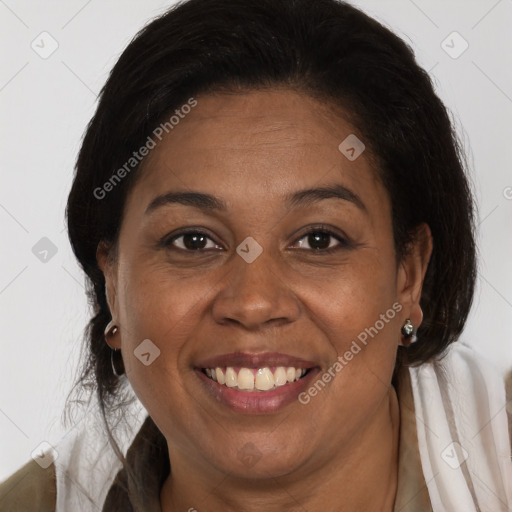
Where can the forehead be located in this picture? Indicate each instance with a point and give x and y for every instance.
(257, 146)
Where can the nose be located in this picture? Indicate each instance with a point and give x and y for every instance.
(256, 294)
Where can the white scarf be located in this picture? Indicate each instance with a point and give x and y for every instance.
(87, 465)
(460, 399)
(462, 429)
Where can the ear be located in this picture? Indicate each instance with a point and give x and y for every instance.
(108, 266)
(411, 274)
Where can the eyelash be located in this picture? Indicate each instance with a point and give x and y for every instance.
(167, 241)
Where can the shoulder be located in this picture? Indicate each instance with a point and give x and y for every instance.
(30, 489)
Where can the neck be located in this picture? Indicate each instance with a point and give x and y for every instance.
(362, 475)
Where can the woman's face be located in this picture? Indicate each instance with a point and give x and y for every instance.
(231, 279)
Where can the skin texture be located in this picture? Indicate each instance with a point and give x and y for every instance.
(339, 452)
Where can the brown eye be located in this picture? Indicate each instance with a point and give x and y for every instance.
(319, 240)
(194, 241)
(191, 241)
(322, 240)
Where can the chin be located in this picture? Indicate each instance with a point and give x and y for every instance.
(260, 459)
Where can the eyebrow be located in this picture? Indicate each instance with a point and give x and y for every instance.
(308, 196)
(199, 200)
(300, 199)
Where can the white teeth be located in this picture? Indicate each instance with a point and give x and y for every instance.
(264, 379)
(220, 376)
(290, 374)
(280, 376)
(231, 378)
(249, 379)
(245, 379)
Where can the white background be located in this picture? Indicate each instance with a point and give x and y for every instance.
(46, 103)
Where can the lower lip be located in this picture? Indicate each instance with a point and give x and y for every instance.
(257, 402)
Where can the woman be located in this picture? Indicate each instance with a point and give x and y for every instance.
(271, 207)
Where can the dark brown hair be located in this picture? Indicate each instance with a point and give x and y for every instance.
(327, 49)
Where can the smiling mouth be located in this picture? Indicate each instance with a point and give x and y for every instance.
(255, 379)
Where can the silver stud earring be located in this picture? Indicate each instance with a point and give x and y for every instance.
(407, 329)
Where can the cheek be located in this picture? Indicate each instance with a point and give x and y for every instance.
(358, 313)
(155, 304)
(356, 301)
(156, 317)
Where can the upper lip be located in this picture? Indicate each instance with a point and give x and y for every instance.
(247, 360)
